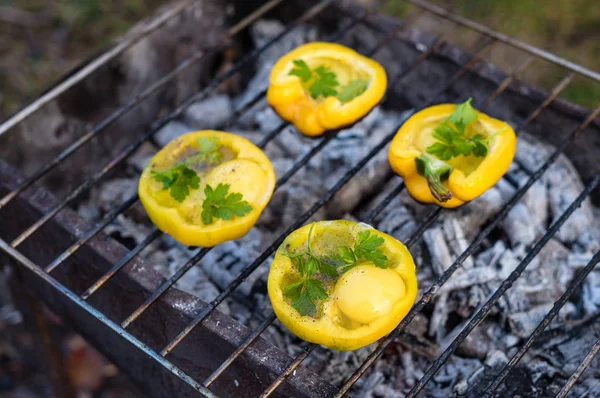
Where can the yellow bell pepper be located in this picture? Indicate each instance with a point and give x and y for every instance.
(206, 187)
(324, 86)
(341, 284)
(450, 154)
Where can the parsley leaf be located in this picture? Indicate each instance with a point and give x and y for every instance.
(209, 152)
(353, 90)
(303, 304)
(324, 83)
(294, 289)
(481, 145)
(219, 203)
(304, 293)
(451, 138)
(327, 269)
(178, 180)
(309, 289)
(315, 290)
(463, 115)
(301, 70)
(367, 248)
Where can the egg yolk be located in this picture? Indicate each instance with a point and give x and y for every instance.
(366, 293)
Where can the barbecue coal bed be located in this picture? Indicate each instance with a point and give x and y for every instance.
(509, 297)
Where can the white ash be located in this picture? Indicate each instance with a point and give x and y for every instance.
(498, 336)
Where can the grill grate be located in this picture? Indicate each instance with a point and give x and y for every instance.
(491, 39)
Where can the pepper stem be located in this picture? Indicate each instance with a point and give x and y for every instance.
(435, 171)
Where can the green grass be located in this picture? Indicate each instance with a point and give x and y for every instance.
(568, 28)
(32, 58)
(69, 31)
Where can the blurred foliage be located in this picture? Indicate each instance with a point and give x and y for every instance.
(568, 28)
(42, 40)
(50, 37)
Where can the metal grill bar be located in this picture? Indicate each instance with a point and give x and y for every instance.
(543, 324)
(506, 284)
(124, 261)
(245, 344)
(133, 146)
(506, 82)
(316, 206)
(507, 39)
(386, 201)
(91, 67)
(580, 369)
(62, 290)
(297, 166)
(135, 101)
(554, 93)
(428, 296)
(91, 233)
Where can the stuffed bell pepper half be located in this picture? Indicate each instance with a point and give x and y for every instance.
(207, 187)
(325, 86)
(450, 154)
(341, 284)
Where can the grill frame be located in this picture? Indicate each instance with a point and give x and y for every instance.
(357, 18)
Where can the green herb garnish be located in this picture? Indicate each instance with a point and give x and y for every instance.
(452, 140)
(179, 180)
(366, 249)
(208, 154)
(305, 292)
(301, 70)
(353, 90)
(323, 82)
(219, 203)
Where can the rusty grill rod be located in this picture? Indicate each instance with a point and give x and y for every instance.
(506, 284)
(315, 207)
(511, 41)
(579, 371)
(87, 70)
(128, 150)
(61, 289)
(121, 263)
(136, 100)
(293, 169)
(91, 233)
(428, 296)
(543, 324)
(506, 82)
